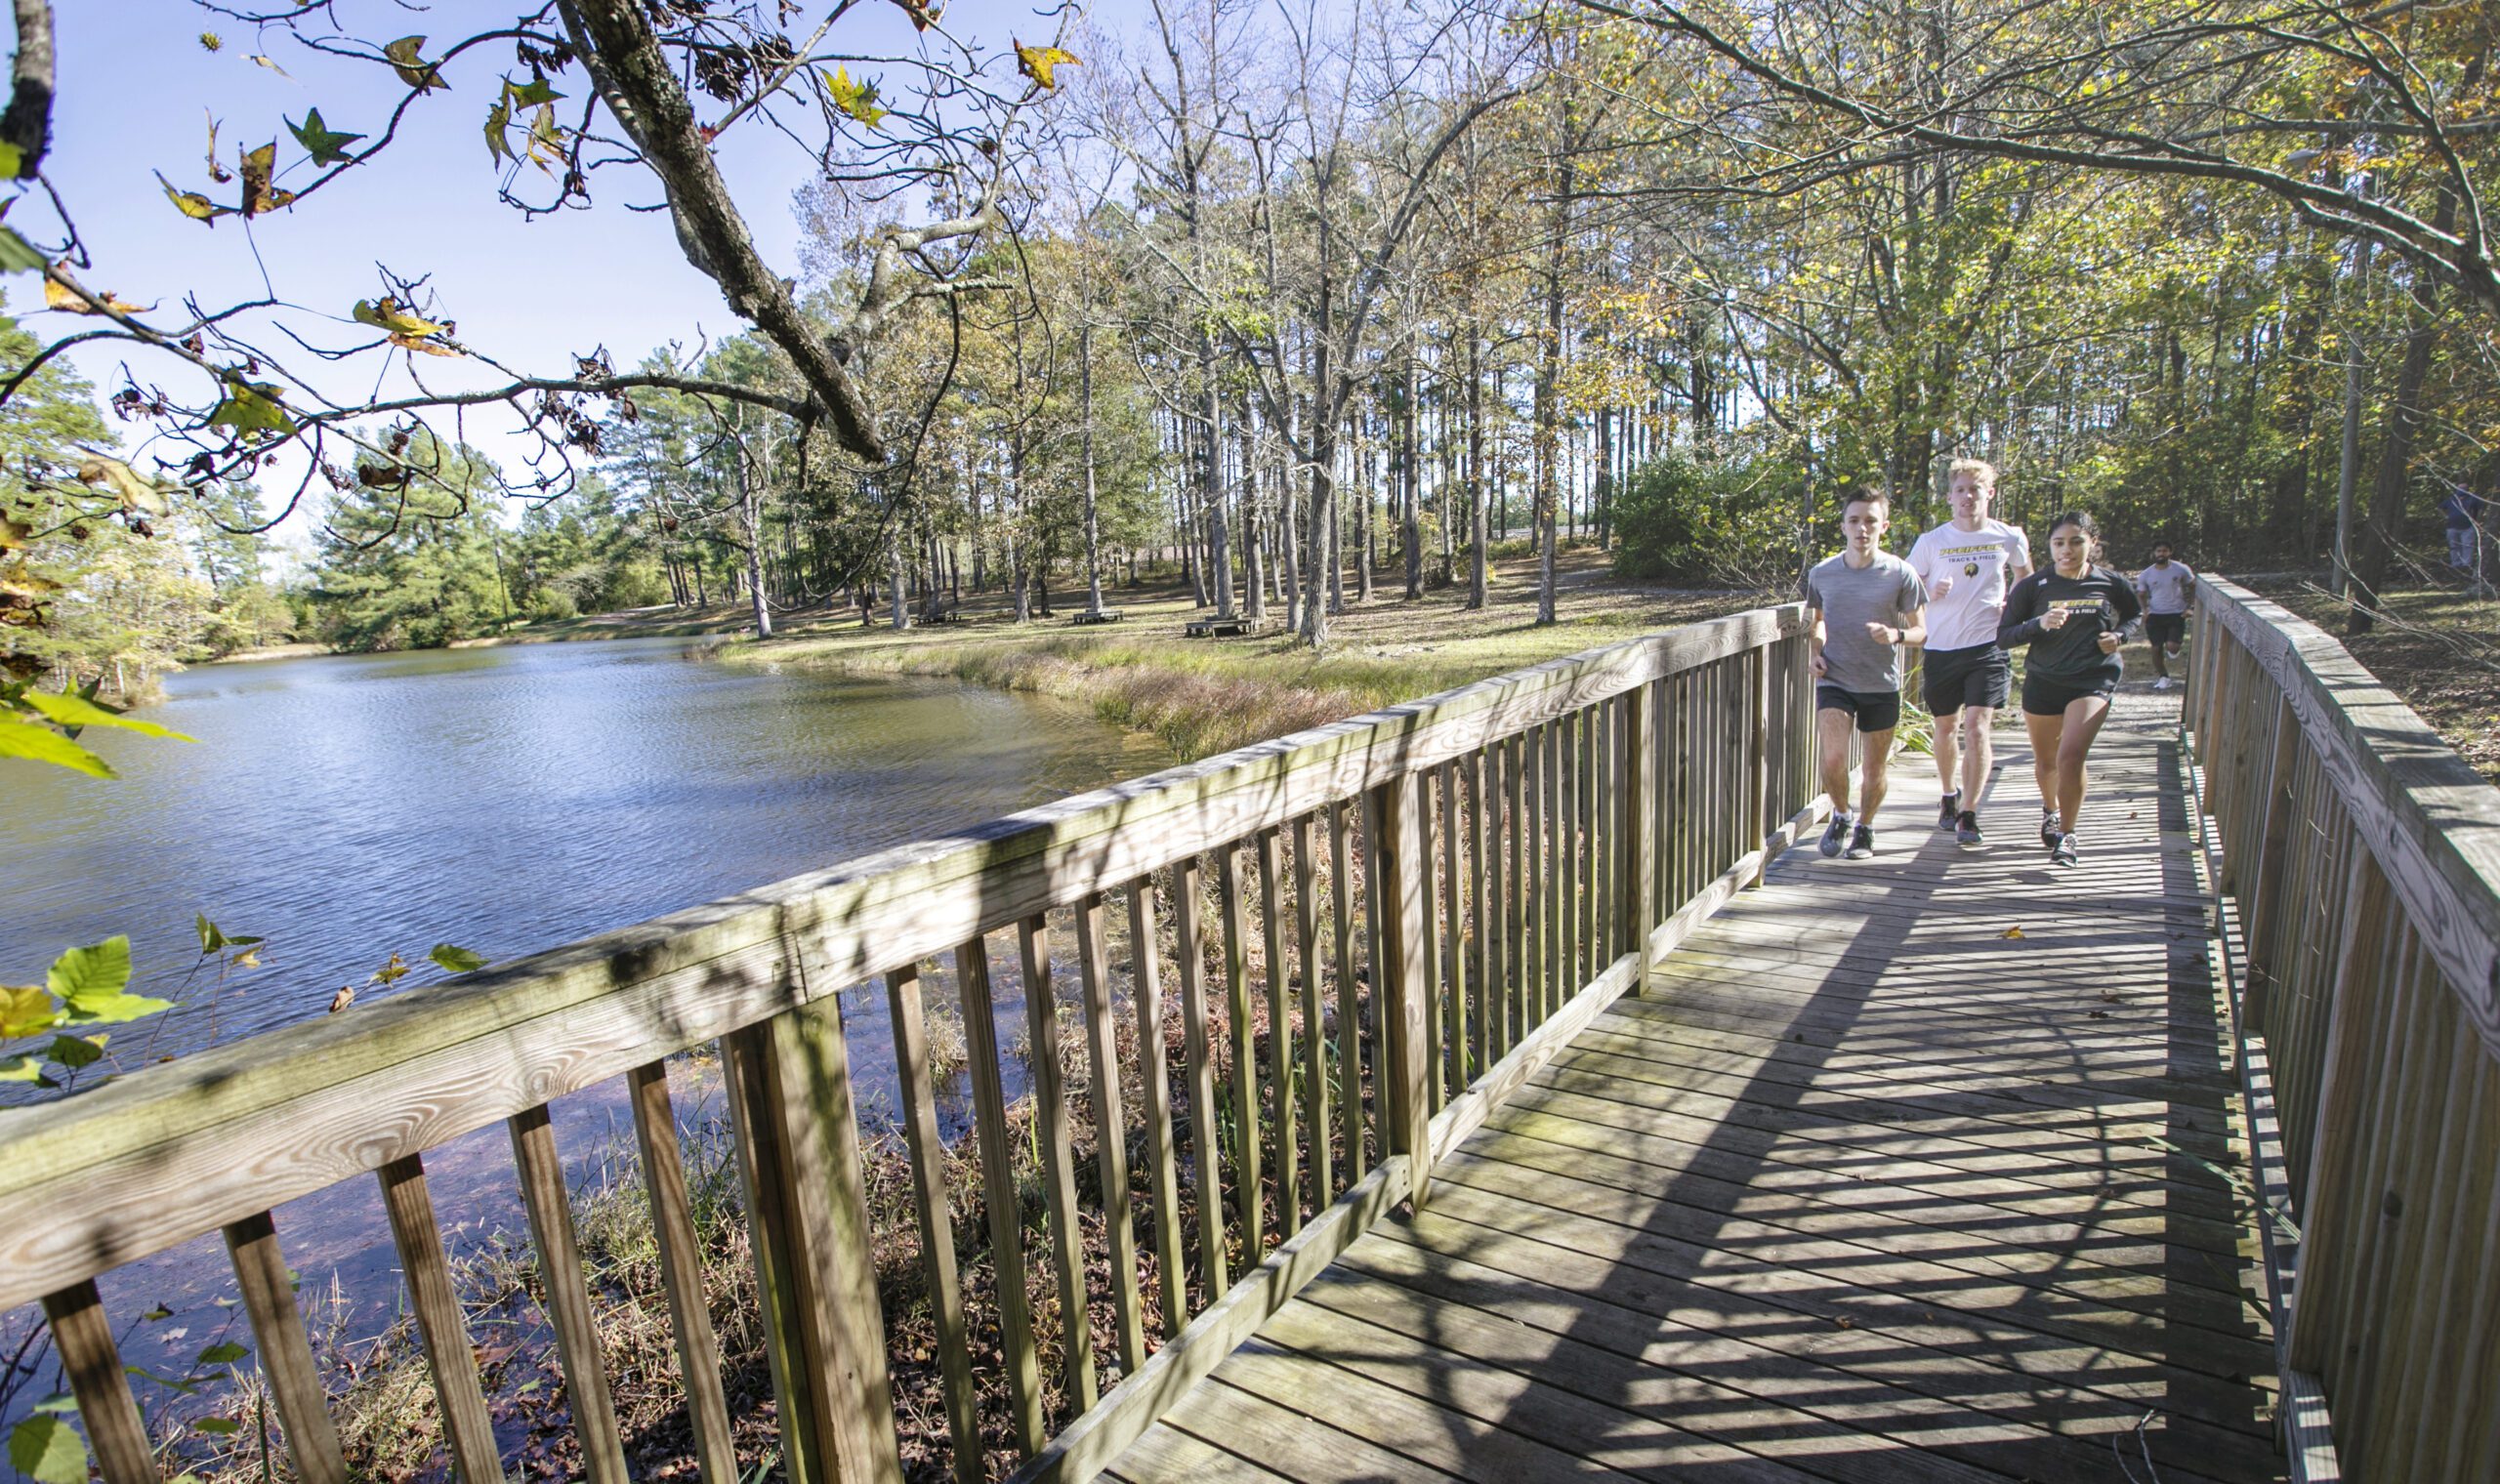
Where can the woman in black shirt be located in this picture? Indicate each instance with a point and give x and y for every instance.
(2075, 616)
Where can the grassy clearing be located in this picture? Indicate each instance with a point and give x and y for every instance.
(1207, 696)
(2438, 649)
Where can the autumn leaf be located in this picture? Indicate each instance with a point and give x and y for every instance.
(25, 1010)
(58, 295)
(192, 203)
(388, 314)
(394, 970)
(319, 140)
(498, 120)
(12, 160)
(427, 346)
(532, 94)
(272, 66)
(1036, 62)
(921, 17)
(407, 58)
(343, 999)
(259, 195)
(216, 171)
(121, 481)
(251, 407)
(2010, 932)
(856, 99)
(546, 141)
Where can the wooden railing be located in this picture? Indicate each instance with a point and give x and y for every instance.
(2355, 861)
(1451, 887)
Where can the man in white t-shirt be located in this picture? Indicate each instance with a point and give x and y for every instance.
(1966, 564)
(2169, 592)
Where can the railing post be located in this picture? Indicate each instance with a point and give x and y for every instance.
(789, 1083)
(1638, 881)
(2271, 832)
(1758, 753)
(1403, 921)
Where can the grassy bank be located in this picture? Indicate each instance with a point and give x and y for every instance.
(2437, 647)
(1209, 695)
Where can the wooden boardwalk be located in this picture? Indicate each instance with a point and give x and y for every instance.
(1909, 1169)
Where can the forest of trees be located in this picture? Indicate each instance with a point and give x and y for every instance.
(1325, 304)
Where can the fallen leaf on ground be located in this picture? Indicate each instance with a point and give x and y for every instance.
(2010, 932)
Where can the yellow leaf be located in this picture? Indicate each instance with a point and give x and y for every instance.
(192, 203)
(258, 194)
(25, 1010)
(2010, 932)
(1036, 62)
(272, 66)
(249, 958)
(58, 295)
(387, 314)
(407, 58)
(117, 478)
(430, 347)
(393, 970)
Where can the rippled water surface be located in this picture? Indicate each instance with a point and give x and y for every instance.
(507, 800)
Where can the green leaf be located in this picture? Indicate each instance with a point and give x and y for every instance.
(222, 1354)
(115, 1009)
(58, 1404)
(75, 1051)
(456, 960)
(251, 407)
(24, 1069)
(12, 160)
(96, 972)
(407, 58)
(160, 1311)
(856, 99)
(48, 1451)
(531, 93)
(325, 145)
(223, 1426)
(499, 119)
(17, 254)
(70, 710)
(210, 939)
(36, 742)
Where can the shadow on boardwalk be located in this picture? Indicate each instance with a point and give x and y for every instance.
(1915, 1169)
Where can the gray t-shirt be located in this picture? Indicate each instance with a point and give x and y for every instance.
(2166, 589)
(1885, 590)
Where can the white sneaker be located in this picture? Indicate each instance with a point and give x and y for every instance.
(2162, 683)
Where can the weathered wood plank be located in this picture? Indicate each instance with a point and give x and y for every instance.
(1110, 1132)
(680, 1254)
(998, 1192)
(1314, 1028)
(1188, 885)
(906, 1011)
(1244, 1090)
(1058, 1156)
(550, 1207)
(83, 1337)
(1155, 1086)
(441, 1328)
(1280, 1121)
(285, 1355)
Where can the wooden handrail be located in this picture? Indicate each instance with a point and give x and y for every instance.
(1497, 862)
(2354, 860)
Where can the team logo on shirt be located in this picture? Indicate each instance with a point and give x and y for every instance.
(1969, 569)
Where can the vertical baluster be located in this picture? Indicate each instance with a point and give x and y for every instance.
(998, 1193)
(1757, 799)
(1592, 948)
(1110, 1130)
(1558, 880)
(1374, 1024)
(1636, 856)
(1483, 862)
(1537, 879)
(1288, 1158)
(84, 1338)
(1431, 981)
(1516, 842)
(550, 1208)
(1245, 1055)
(1058, 1155)
(1458, 1031)
(1402, 888)
(285, 1354)
(1350, 1093)
(907, 1011)
(443, 1331)
(1187, 881)
(680, 1252)
(1315, 1025)
(1154, 1085)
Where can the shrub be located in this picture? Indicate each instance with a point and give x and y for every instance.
(1688, 517)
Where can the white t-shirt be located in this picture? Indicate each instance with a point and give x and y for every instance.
(1982, 564)
(2166, 589)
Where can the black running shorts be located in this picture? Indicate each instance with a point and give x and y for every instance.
(1875, 710)
(2046, 695)
(2166, 627)
(1980, 676)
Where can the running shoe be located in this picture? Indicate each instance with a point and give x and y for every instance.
(2066, 853)
(2049, 828)
(1835, 835)
(2162, 683)
(1966, 830)
(1949, 811)
(1862, 844)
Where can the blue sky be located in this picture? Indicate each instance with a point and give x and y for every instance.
(136, 97)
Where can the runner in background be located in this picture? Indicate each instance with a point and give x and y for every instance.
(1865, 607)
(1966, 563)
(2075, 616)
(2169, 591)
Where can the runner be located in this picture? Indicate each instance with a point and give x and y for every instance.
(1966, 563)
(2169, 591)
(2075, 616)
(1874, 604)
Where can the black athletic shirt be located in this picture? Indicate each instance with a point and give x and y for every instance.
(2100, 600)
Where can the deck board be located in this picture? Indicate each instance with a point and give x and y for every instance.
(1859, 1190)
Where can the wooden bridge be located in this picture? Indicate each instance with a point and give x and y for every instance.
(1476, 1089)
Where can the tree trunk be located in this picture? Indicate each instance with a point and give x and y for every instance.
(1475, 529)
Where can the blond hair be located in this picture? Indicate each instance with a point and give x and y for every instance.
(1980, 470)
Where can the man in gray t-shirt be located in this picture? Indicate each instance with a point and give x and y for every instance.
(2169, 591)
(1866, 605)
